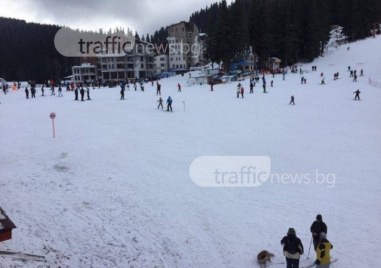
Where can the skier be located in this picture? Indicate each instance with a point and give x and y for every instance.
(178, 87)
(292, 248)
(88, 93)
(122, 89)
(60, 91)
(238, 90)
(76, 93)
(251, 88)
(160, 101)
(211, 86)
(82, 91)
(169, 104)
(271, 83)
(33, 91)
(292, 100)
(318, 227)
(355, 77)
(322, 81)
(357, 96)
(42, 90)
(242, 92)
(323, 252)
(158, 89)
(361, 72)
(53, 91)
(27, 92)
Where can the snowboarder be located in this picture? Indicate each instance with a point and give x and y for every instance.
(160, 101)
(292, 248)
(169, 104)
(82, 92)
(292, 101)
(323, 252)
(88, 93)
(27, 92)
(318, 227)
(357, 96)
(178, 87)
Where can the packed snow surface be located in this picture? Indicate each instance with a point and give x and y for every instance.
(113, 189)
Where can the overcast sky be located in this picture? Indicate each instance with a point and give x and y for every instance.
(145, 16)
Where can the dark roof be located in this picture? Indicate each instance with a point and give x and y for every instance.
(6, 223)
(189, 26)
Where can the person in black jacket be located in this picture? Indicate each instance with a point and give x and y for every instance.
(357, 96)
(76, 93)
(318, 227)
(292, 248)
(82, 92)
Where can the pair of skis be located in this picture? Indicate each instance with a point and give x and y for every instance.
(22, 256)
(314, 264)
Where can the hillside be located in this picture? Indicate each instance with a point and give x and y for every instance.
(113, 188)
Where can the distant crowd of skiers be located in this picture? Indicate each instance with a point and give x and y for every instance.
(240, 89)
(78, 88)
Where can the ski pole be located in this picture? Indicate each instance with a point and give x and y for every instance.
(308, 255)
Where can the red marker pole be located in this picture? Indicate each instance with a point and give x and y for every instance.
(53, 116)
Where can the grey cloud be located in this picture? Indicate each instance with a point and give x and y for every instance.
(142, 15)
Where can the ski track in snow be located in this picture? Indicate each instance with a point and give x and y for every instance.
(113, 188)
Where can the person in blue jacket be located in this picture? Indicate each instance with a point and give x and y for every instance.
(169, 104)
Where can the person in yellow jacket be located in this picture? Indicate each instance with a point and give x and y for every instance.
(323, 252)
